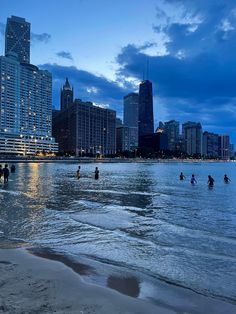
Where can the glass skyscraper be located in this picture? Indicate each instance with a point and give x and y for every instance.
(145, 123)
(17, 38)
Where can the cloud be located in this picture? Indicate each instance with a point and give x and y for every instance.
(65, 55)
(195, 78)
(87, 86)
(44, 37)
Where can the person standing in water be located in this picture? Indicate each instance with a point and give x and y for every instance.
(13, 168)
(78, 172)
(226, 178)
(181, 176)
(96, 173)
(6, 173)
(193, 180)
(1, 172)
(210, 181)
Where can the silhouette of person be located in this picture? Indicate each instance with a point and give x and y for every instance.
(193, 180)
(13, 168)
(181, 176)
(226, 178)
(78, 172)
(6, 173)
(210, 181)
(96, 173)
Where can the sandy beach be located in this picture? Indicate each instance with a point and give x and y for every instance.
(31, 284)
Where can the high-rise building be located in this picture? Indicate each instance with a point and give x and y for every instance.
(17, 38)
(25, 103)
(224, 147)
(84, 128)
(122, 138)
(67, 95)
(131, 104)
(145, 123)
(210, 145)
(131, 107)
(192, 138)
(171, 128)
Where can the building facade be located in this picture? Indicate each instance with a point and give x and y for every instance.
(17, 38)
(171, 128)
(210, 145)
(122, 139)
(192, 138)
(25, 104)
(224, 147)
(67, 95)
(146, 122)
(84, 128)
(131, 109)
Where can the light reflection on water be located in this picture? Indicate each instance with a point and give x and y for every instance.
(139, 216)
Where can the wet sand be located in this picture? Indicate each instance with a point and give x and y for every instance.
(30, 285)
(51, 283)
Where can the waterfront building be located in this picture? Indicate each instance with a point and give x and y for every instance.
(122, 138)
(171, 128)
(145, 122)
(192, 138)
(153, 143)
(131, 109)
(224, 147)
(17, 38)
(131, 105)
(210, 145)
(25, 104)
(232, 152)
(84, 128)
(67, 95)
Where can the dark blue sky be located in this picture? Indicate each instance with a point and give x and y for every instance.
(103, 46)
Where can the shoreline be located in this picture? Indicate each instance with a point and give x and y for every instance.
(41, 281)
(110, 160)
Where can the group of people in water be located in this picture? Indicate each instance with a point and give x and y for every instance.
(5, 172)
(210, 181)
(96, 173)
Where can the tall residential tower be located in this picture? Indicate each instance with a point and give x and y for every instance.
(17, 38)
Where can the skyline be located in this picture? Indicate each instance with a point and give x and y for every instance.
(190, 48)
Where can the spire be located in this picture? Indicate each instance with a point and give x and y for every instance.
(66, 86)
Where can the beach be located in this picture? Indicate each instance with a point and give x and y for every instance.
(32, 284)
(138, 240)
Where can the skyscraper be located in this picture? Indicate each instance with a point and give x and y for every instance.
(210, 145)
(224, 147)
(17, 38)
(25, 100)
(67, 95)
(192, 138)
(171, 129)
(131, 106)
(145, 123)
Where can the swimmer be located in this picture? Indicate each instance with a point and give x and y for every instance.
(193, 180)
(181, 176)
(226, 178)
(210, 181)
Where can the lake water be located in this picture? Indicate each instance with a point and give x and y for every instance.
(138, 217)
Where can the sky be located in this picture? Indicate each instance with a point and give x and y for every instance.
(104, 46)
